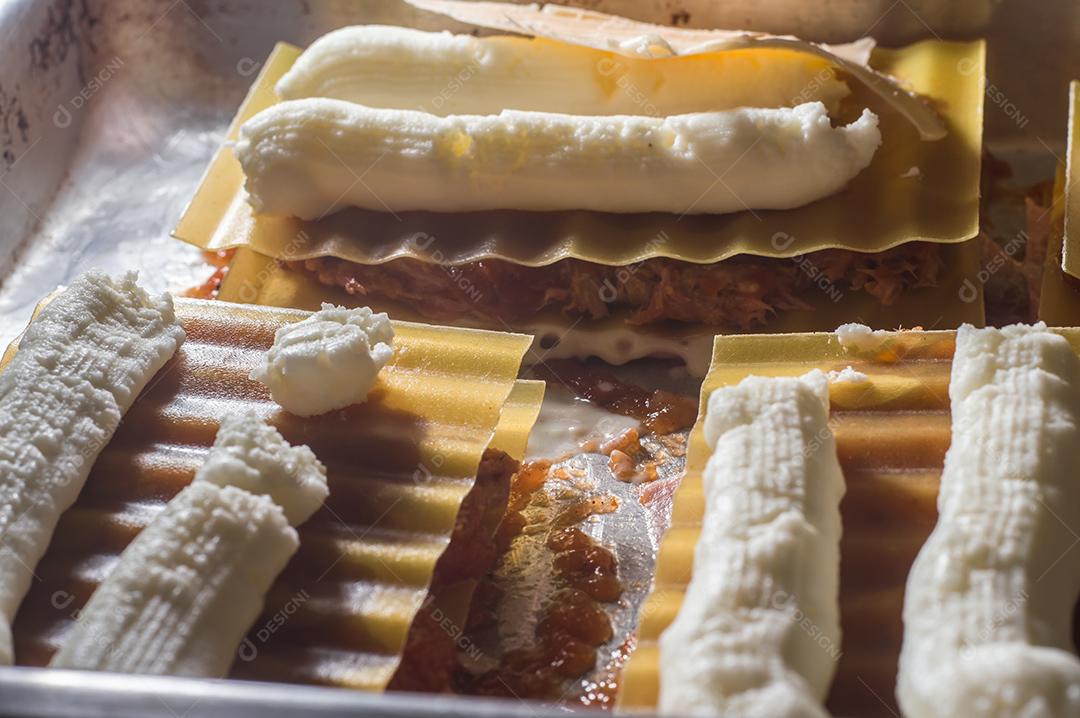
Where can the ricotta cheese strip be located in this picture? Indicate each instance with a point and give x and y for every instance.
(328, 360)
(187, 589)
(989, 601)
(631, 38)
(758, 632)
(307, 158)
(80, 365)
(447, 74)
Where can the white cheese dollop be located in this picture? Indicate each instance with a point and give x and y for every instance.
(327, 361)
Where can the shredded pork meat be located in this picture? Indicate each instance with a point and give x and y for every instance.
(740, 293)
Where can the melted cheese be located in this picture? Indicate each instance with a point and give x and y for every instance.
(446, 74)
(758, 631)
(308, 158)
(989, 601)
(80, 365)
(567, 423)
(327, 361)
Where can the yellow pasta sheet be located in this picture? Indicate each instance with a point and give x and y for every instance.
(519, 415)
(1059, 302)
(1070, 260)
(913, 190)
(891, 436)
(398, 466)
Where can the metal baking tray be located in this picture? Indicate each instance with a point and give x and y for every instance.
(110, 111)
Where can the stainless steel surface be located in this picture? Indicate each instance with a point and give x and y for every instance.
(109, 112)
(39, 69)
(526, 574)
(38, 692)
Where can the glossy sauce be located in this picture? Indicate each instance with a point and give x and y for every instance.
(573, 624)
(209, 289)
(662, 412)
(602, 692)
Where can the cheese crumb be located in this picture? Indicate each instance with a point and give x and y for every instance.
(847, 375)
(328, 361)
(859, 337)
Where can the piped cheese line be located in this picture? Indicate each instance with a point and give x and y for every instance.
(80, 365)
(188, 588)
(989, 601)
(308, 158)
(446, 74)
(637, 39)
(758, 631)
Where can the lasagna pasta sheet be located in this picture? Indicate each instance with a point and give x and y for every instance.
(519, 414)
(892, 431)
(1070, 259)
(399, 467)
(1059, 301)
(913, 190)
(589, 28)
